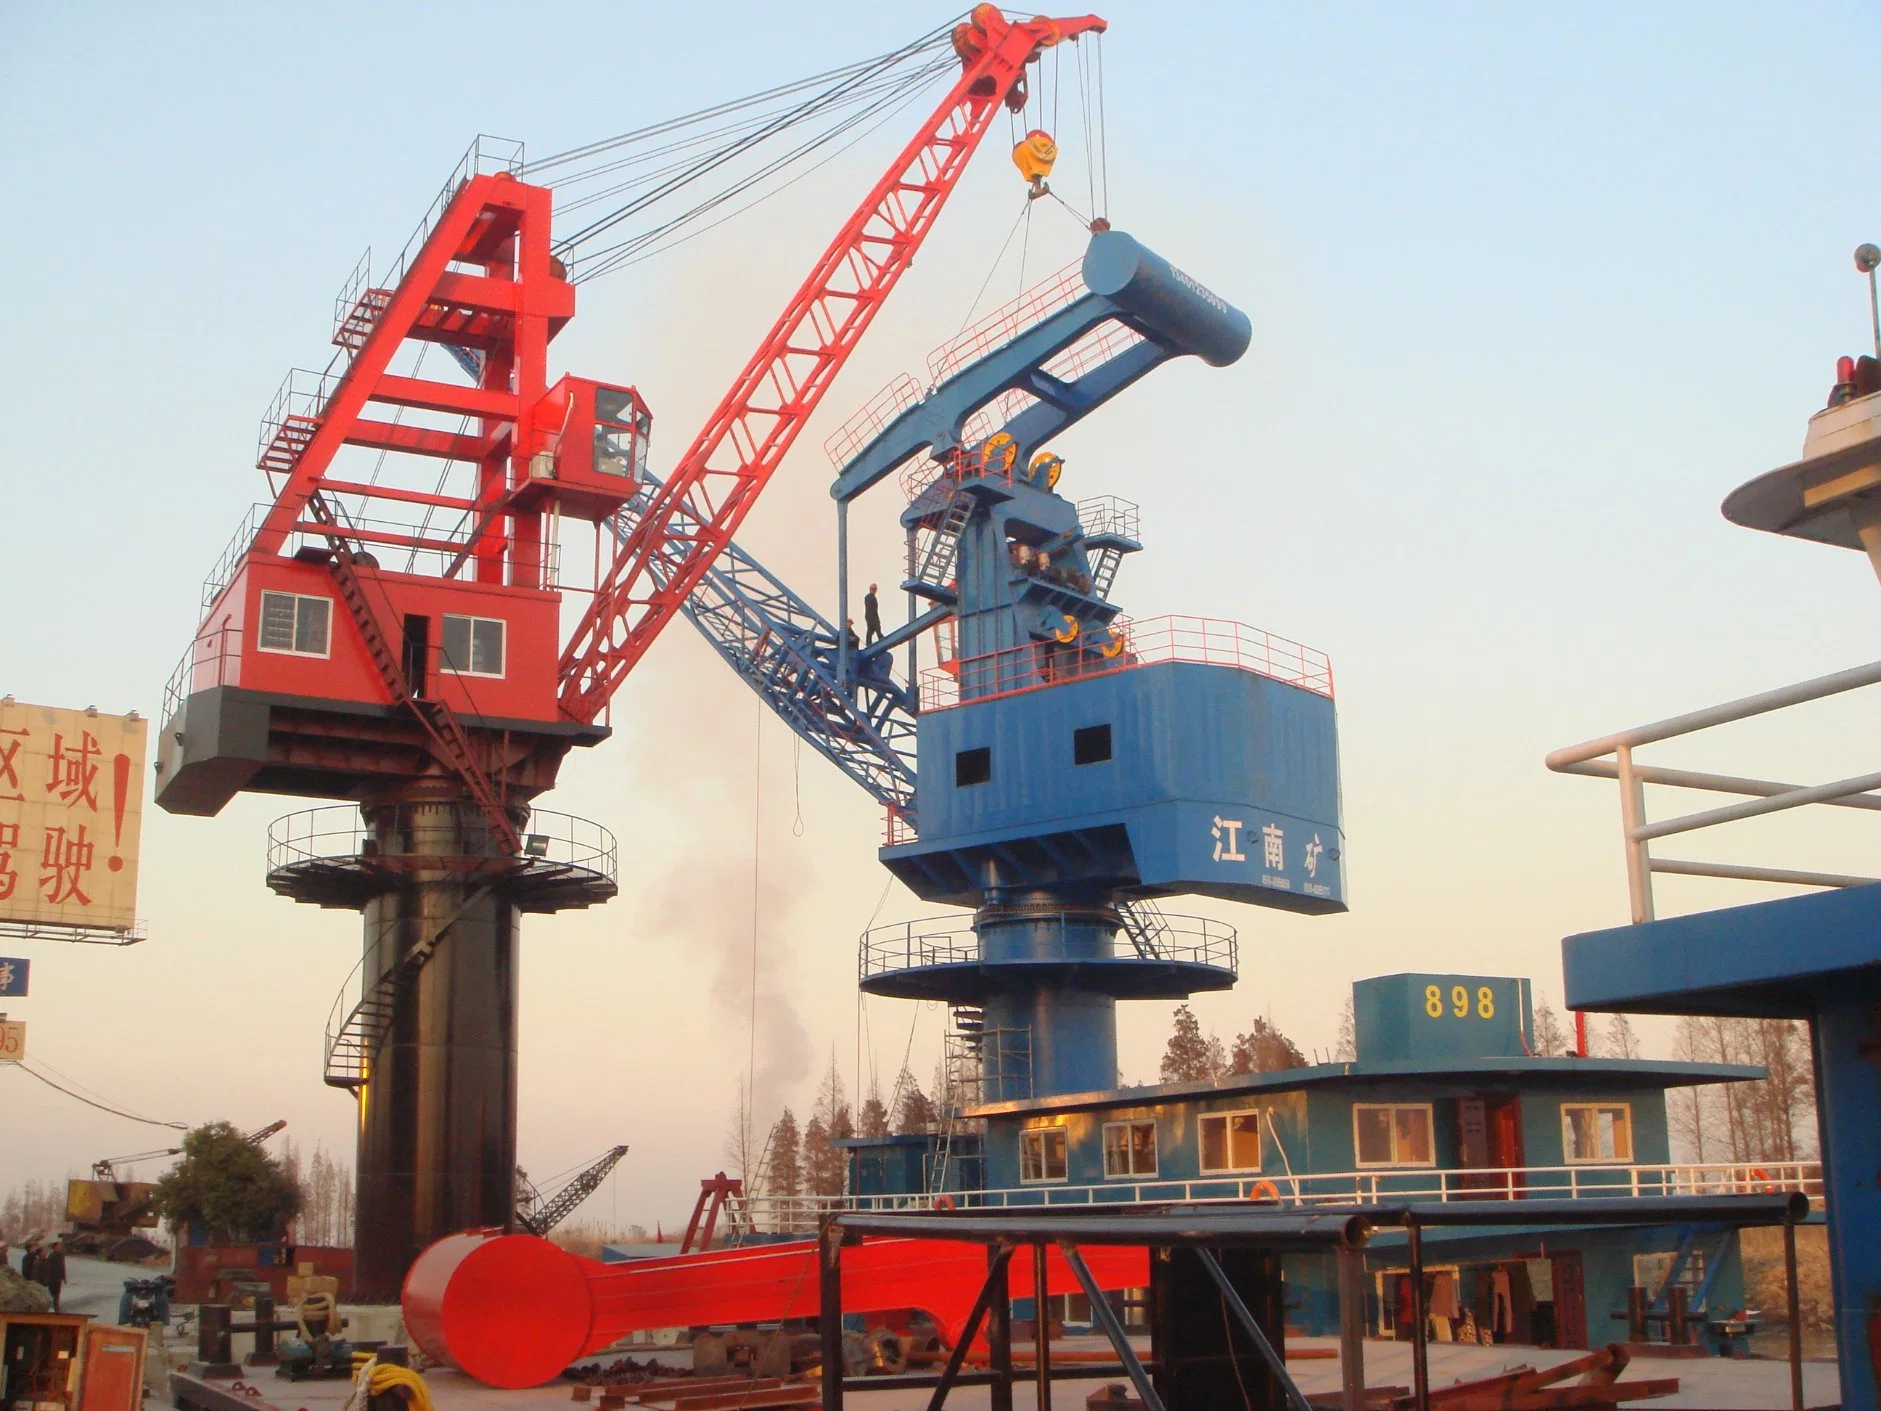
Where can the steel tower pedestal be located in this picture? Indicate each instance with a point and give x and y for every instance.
(429, 1048)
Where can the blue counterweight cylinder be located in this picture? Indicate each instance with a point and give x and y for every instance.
(1046, 1038)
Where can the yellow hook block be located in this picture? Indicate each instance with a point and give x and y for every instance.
(1035, 156)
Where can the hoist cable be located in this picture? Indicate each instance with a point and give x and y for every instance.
(784, 90)
(799, 112)
(634, 249)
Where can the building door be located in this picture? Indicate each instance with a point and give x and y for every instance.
(1504, 1119)
(1570, 1300)
(113, 1375)
(1489, 1139)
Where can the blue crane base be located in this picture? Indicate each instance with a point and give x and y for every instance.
(1811, 957)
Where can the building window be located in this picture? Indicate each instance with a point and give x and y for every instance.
(1597, 1131)
(1042, 1155)
(973, 767)
(472, 646)
(1129, 1148)
(1392, 1134)
(1091, 745)
(1231, 1141)
(295, 623)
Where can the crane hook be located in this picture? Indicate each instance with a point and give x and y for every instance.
(1035, 156)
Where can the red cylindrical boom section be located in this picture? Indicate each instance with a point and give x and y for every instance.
(514, 1310)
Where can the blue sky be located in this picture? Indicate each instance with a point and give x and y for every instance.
(1532, 289)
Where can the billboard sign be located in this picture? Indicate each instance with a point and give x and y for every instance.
(12, 1040)
(13, 974)
(71, 805)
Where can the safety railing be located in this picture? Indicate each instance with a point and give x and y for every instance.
(1107, 514)
(1008, 321)
(486, 155)
(338, 833)
(293, 416)
(213, 659)
(222, 573)
(898, 826)
(1207, 641)
(951, 940)
(1590, 1182)
(848, 439)
(1612, 757)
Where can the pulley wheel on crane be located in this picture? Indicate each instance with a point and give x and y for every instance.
(1046, 468)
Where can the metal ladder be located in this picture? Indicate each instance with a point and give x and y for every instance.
(1104, 570)
(964, 1054)
(937, 557)
(369, 1021)
(1147, 928)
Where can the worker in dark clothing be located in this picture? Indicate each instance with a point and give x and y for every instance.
(50, 1271)
(871, 614)
(850, 639)
(29, 1260)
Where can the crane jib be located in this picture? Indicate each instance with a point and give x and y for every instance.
(717, 480)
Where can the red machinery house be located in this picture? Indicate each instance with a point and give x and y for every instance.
(293, 683)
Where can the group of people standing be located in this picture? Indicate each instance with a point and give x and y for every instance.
(43, 1262)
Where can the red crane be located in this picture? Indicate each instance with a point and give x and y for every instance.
(429, 694)
(695, 513)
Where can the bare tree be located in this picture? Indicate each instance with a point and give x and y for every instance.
(1550, 1038)
(1346, 1049)
(1619, 1041)
(739, 1143)
(1689, 1109)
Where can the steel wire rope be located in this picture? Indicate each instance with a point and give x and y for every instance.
(757, 815)
(789, 118)
(555, 159)
(856, 95)
(26, 1067)
(612, 257)
(646, 254)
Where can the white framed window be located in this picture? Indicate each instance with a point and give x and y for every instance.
(1042, 1155)
(1392, 1134)
(1130, 1148)
(1596, 1131)
(1231, 1141)
(296, 623)
(472, 646)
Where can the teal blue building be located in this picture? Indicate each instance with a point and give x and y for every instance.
(1445, 1100)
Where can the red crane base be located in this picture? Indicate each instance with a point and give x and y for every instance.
(514, 1310)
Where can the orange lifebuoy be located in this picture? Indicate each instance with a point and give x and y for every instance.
(1761, 1179)
(943, 1202)
(1263, 1190)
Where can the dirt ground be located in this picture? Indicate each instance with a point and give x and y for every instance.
(1764, 1289)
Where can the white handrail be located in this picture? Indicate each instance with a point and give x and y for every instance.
(1767, 796)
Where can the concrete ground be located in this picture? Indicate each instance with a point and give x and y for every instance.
(1717, 1383)
(1721, 1384)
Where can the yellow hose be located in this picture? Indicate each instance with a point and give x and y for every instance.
(381, 1377)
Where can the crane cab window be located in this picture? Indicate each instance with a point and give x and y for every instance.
(973, 766)
(295, 623)
(472, 646)
(1091, 745)
(621, 432)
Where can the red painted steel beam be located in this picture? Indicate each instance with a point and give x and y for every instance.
(734, 456)
(514, 1310)
(417, 440)
(461, 232)
(391, 492)
(432, 396)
